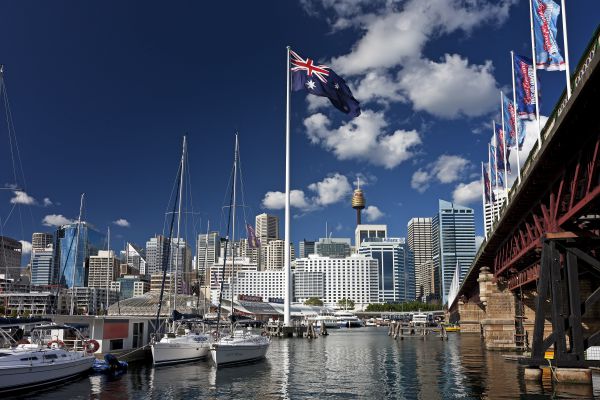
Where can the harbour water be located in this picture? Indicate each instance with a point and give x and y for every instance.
(348, 364)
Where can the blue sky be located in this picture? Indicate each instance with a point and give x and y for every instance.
(102, 92)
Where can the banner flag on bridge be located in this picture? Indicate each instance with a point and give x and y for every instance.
(515, 129)
(545, 14)
(487, 187)
(502, 149)
(525, 88)
(496, 174)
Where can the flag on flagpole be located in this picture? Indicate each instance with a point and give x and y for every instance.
(525, 88)
(548, 57)
(500, 146)
(253, 241)
(497, 174)
(487, 185)
(515, 129)
(321, 80)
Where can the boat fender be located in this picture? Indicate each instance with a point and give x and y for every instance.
(91, 346)
(264, 333)
(59, 343)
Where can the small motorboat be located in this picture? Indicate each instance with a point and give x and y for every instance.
(110, 365)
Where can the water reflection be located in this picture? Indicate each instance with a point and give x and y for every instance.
(358, 363)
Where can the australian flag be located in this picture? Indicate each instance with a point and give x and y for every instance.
(545, 14)
(253, 241)
(320, 80)
(525, 88)
(514, 127)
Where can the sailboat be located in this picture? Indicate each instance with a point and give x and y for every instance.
(182, 343)
(238, 346)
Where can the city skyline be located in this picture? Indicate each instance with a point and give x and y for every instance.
(106, 99)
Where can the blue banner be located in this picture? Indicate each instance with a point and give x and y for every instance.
(545, 14)
(497, 175)
(525, 88)
(514, 128)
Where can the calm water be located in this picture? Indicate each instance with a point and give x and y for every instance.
(358, 363)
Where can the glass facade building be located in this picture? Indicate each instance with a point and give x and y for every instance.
(70, 260)
(453, 241)
(395, 266)
(333, 247)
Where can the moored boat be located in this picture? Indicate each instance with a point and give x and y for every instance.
(241, 347)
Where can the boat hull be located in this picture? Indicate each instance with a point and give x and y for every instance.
(223, 354)
(172, 353)
(25, 377)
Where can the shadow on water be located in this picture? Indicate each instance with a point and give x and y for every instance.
(356, 363)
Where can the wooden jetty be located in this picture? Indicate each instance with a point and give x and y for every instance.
(401, 330)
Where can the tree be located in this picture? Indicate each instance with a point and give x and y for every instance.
(314, 301)
(346, 304)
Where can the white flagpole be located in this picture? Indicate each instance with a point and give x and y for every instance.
(565, 43)
(496, 211)
(534, 62)
(286, 250)
(484, 202)
(504, 149)
(516, 127)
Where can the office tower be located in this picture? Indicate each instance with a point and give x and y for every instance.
(157, 249)
(102, 269)
(306, 247)
(135, 259)
(40, 240)
(333, 247)
(419, 242)
(396, 274)
(42, 266)
(272, 254)
(492, 210)
(128, 286)
(10, 258)
(354, 278)
(181, 264)
(71, 253)
(453, 241)
(265, 284)
(207, 251)
(267, 227)
(365, 231)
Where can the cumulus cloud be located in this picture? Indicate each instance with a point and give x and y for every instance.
(332, 189)
(20, 197)
(25, 247)
(446, 169)
(122, 222)
(363, 139)
(467, 193)
(420, 180)
(47, 202)
(56, 220)
(380, 87)
(373, 213)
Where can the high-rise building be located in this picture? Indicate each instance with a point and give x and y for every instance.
(216, 275)
(72, 252)
(157, 249)
(135, 259)
(10, 258)
(396, 273)
(365, 231)
(419, 242)
(40, 240)
(306, 247)
(207, 251)
(266, 284)
(492, 210)
(453, 242)
(273, 255)
(354, 278)
(102, 269)
(267, 227)
(181, 263)
(333, 247)
(129, 286)
(42, 266)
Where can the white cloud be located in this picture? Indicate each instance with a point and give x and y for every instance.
(47, 202)
(420, 180)
(363, 139)
(331, 190)
(373, 213)
(450, 88)
(478, 241)
(467, 193)
(25, 247)
(56, 220)
(380, 87)
(122, 222)
(275, 200)
(22, 198)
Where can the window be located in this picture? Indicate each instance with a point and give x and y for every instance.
(50, 356)
(26, 358)
(116, 344)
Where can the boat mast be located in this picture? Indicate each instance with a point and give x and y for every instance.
(178, 226)
(205, 265)
(108, 266)
(235, 160)
(76, 255)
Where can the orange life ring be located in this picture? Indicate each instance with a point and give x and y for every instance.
(91, 346)
(59, 343)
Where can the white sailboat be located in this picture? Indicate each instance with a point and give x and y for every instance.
(45, 361)
(177, 346)
(239, 346)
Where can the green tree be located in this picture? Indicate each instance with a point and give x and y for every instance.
(313, 301)
(346, 304)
